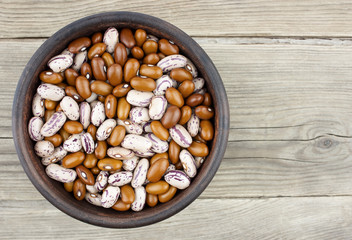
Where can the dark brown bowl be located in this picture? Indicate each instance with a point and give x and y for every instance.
(53, 191)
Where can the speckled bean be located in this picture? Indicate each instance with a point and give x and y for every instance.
(171, 62)
(38, 108)
(188, 163)
(87, 143)
(130, 164)
(54, 124)
(111, 38)
(140, 197)
(84, 114)
(162, 84)
(105, 129)
(101, 181)
(60, 173)
(139, 115)
(159, 146)
(180, 135)
(120, 153)
(110, 196)
(70, 108)
(198, 83)
(73, 143)
(157, 107)
(93, 198)
(34, 126)
(140, 173)
(98, 114)
(130, 126)
(193, 125)
(137, 143)
(44, 148)
(58, 154)
(121, 178)
(50, 92)
(79, 59)
(178, 179)
(139, 98)
(60, 63)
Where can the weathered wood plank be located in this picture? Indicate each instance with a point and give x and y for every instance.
(23, 18)
(292, 90)
(322, 166)
(277, 218)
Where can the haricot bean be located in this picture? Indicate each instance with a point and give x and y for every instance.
(122, 118)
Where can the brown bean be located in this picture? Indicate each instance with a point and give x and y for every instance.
(117, 135)
(180, 75)
(150, 46)
(90, 160)
(198, 149)
(97, 37)
(207, 100)
(174, 97)
(206, 130)
(92, 130)
(71, 75)
(48, 114)
(154, 72)
(101, 88)
(50, 77)
(73, 127)
(143, 84)
(115, 74)
(58, 108)
(168, 195)
(73, 160)
(120, 54)
(123, 108)
(79, 189)
(179, 165)
(50, 105)
(171, 117)
(199, 139)
(157, 187)
(109, 164)
(65, 135)
(95, 170)
(161, 55)
(62, 85)
(79, 44)
(174, 152)
(127, 38)
(100, 149)
(141, 36)
(137, 52)
(72, 92)
(108, 59)
(121, 90)
(101, 98)
(56, 139)
(194, 100)
(99, 68)
(96, 50)
(157, 170)
(158, 156)
(127, 194)
(86, 71)
(186, 88)
(130, 69)
(152, 200)
(186, 113)
(204, 112)
(110, 106)
(83, 88)
(159, 130)
(85, 175)
(151, 58)
(68, 186)
(121, 206)
(167, 47)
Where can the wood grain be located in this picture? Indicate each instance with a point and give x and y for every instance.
(276, 218)
(22, 18)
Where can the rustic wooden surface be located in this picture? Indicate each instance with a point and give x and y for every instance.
(287, 69)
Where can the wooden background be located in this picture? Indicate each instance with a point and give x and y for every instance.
(287, 69)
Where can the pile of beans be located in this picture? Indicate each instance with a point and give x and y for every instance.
(122, 119)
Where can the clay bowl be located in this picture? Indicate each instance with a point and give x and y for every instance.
(53, 191)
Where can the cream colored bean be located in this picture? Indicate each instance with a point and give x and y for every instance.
(73, 143)
(44, 148)
(136, 143)
(60, 63)
(60, 173)
(70, 108)
(84, 114)
(105, 129)
(110, 196)
(54, 124)
(58, 154)
(140, 173)
(38, 108)
(34, 126)
(50, 92)
(120, 153)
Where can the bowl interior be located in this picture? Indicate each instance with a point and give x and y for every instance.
(53, 190)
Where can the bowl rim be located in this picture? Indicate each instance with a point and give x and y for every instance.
(20, 133)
